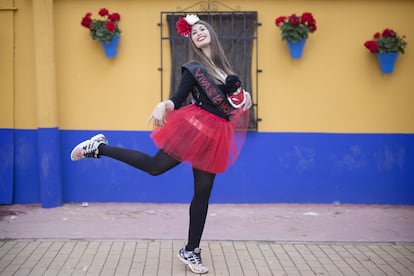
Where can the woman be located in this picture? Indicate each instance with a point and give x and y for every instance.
(202, 133)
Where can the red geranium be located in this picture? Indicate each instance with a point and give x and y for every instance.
(294, 27)
(372, 45)
(280, 20)
(386, 42)
(103, 29)
(110, 26)
(103, 12)
(87, 20)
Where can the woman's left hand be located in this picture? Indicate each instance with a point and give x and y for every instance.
(248, 102)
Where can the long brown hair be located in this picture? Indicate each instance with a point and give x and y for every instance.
(217, 54)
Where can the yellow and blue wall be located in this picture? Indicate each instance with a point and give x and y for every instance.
(333, 128)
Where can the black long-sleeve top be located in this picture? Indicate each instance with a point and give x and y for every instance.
(188, 84)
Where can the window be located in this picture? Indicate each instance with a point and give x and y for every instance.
(237, 32)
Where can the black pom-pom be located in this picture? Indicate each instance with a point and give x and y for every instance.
(232, 84)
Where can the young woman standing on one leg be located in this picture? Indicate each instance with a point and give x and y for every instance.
(202, 133)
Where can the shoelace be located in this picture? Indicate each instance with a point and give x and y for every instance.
(90, 150)
(195, 259)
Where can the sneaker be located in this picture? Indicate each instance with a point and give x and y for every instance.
(88, 148)
(193, 260)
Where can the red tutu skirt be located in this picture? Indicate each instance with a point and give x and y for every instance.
(206, 141)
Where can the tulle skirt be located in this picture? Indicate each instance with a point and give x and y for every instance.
(206, 141)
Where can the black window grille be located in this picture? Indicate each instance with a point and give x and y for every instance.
(237, 32)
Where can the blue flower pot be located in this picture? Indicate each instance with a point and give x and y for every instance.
(296, 49)
(111, 48)
(387, 61)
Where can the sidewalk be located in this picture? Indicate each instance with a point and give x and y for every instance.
(259, 239)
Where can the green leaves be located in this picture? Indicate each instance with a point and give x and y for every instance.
(295, 28)
(294, 33)
(386, 42)
(103, 29)
(391, 44)
(100, 32)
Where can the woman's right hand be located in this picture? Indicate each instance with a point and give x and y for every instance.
(158, 114)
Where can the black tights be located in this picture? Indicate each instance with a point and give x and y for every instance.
(160, 163)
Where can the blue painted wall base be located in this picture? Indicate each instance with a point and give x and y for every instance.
(6, 165)
(272, 168)
(50, 180)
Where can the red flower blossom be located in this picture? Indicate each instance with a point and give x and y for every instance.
(280, 20)
(110, 26)
(312, 27)
(372, 46)
(114, 17)
(307, 18)
(183, 28)
(388, 33)
(103, 12)
(294, 20)
(87, 20)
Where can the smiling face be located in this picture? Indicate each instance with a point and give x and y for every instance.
(200, 36)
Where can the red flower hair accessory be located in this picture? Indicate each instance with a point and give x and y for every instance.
(184, 24)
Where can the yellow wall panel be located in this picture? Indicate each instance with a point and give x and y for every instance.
(7, 64)
(25, 92)
(336, 86)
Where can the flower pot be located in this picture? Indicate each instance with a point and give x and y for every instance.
(111, 48)
(387, 61)
(296, 49)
